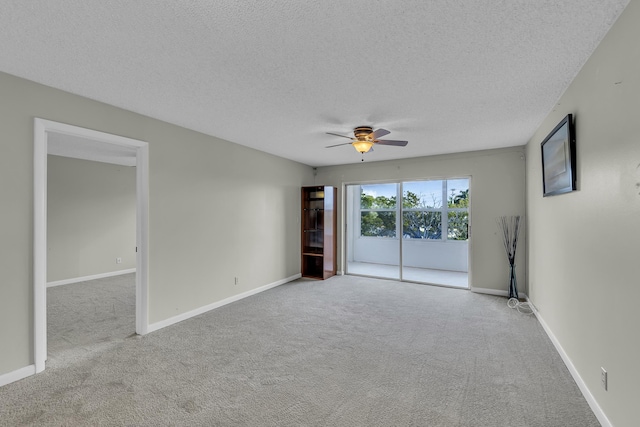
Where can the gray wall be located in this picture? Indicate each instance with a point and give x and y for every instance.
(584, 246)
(497, 188)
(91, 218)
(217, 210)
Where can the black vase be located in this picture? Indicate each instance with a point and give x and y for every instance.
(513, 285)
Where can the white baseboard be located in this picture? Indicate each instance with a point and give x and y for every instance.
(189, 314)
(496, 292)
(591, 400)
(488, 291)
(17, 375)
(92, 277)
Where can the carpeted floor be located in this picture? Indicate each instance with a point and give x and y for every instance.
(88, 318)
(348, 351)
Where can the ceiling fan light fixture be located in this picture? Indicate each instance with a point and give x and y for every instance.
(364, 138)
(362, 146)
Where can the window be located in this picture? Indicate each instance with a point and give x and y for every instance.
(431, 210)
(458, 209)
(378, 210)
(422, 210)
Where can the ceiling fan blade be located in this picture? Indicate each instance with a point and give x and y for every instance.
(392, 142)
(380, 132)
(337, 134)
(337, 145)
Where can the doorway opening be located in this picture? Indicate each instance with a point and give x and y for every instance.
(71, 141)
(414, 231)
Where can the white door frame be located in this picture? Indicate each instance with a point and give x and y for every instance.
(41, 129)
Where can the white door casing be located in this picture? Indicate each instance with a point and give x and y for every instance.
(42, 129)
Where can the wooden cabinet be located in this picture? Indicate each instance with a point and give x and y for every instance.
(319, 218)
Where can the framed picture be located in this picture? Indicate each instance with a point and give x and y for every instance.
(559, 159)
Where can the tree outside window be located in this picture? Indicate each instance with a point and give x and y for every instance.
(458, 209)
(378, 211)
(424, 215)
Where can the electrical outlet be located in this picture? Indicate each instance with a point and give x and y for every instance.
(603, 378)
(118, 260)
(236, 280)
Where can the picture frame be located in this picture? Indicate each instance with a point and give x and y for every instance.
(559, 159)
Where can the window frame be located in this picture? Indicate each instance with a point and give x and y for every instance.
(399, 210)
(361, 210)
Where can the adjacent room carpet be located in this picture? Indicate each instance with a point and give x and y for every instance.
(348, 351)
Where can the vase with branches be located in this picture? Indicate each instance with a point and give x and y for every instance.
(510, 227)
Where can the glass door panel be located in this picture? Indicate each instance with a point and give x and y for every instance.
(435, 221)
(372, 230)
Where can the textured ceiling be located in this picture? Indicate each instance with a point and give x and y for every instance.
(448, 76)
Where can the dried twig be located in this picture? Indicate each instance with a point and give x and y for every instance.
(510, 226)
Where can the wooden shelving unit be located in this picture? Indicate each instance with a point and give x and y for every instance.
(319, 218)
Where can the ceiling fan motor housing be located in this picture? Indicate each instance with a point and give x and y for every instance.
(362, 132)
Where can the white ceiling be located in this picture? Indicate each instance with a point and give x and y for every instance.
(447, 75)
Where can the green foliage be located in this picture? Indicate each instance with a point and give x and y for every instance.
(458, 221)
(410, 200)
(416, 224)
(458, 225)
(381, 202)
(460, 200)
(378, 224)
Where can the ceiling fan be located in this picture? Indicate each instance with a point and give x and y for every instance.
(365, 138)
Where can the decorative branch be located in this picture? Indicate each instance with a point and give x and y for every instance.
(510, 226)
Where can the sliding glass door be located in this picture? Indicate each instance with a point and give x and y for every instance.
(435, 231)
(414, 231)
(372, 244)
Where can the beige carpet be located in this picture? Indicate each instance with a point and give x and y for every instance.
(348, 351)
